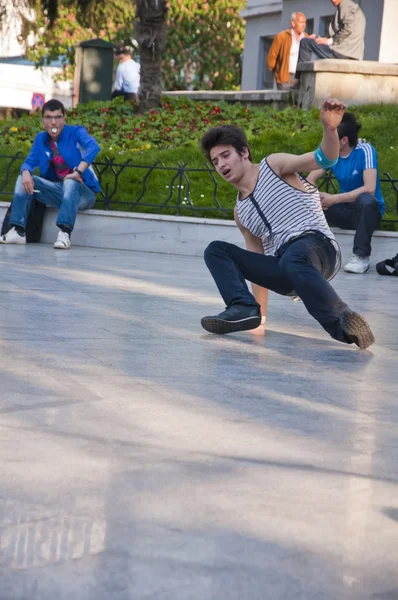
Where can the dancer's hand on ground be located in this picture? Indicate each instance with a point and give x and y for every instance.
(332, 112)
(27, 182)
(260, 330)
(326, 200)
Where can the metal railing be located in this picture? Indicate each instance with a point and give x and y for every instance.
(160, 189)
(177, 180)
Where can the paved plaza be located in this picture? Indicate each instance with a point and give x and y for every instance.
(143, 458)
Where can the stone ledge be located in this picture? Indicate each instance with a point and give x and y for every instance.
(142, 232)
(261, 10)
(234, 96)
(357, 67)
(352, 81)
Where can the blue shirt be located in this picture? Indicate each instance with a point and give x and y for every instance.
(128, 77)
(349, 170)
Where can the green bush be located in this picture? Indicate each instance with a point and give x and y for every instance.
(203, 48)
(171, 136)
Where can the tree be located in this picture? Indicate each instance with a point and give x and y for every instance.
(204, 44)
(202, 51)
(59, 27)
(150, 30)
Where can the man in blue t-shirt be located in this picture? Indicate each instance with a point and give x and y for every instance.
(360, 204)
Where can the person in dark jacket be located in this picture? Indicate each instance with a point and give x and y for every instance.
(346, 35)
(64, 154)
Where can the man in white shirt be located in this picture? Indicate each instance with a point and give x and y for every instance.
(127, 81)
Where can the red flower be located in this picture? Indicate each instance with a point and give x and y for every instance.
(137, 130)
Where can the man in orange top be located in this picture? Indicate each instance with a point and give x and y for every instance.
(283, 54)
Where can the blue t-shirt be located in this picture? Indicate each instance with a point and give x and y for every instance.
(349, 170)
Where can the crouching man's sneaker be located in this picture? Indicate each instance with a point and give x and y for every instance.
(357, 265)
(356, 330)
(13, 237)
(63, 241)
(235, 318)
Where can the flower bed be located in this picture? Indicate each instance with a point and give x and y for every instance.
(172, 134)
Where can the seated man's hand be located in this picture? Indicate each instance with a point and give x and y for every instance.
(326, 200)
(313, 36)
(321, 40)
(27, 182)
(75, 175)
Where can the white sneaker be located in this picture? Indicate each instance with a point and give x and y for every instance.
(63, 241)
(357, 265)
(13, 237)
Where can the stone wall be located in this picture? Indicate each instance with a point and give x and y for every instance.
(148, 233)
(352, 81)
(275, 98)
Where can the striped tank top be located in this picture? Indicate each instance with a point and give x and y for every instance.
(277, 212)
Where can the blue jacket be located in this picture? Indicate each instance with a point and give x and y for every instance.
(74, 144)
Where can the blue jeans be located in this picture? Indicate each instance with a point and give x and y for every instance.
(302, 265)
(363, 215)
(69, 196)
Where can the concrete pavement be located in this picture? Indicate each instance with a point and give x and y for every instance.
(143, 458)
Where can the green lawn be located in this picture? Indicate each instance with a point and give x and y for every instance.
(172, 191)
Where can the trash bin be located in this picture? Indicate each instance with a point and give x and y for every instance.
(94, 71)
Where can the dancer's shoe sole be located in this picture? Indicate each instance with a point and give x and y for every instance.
(357, 329)
(221, 326)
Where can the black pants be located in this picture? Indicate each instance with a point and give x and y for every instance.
(302, 265)
(309, 47)
(363, 215)
(127, 95)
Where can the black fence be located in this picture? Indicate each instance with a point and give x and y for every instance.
(176, 190)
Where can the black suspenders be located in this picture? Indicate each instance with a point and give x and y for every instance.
(262, 215)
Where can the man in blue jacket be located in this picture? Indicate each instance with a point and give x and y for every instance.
(64, 154)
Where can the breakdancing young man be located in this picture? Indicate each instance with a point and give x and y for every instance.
(280, 215)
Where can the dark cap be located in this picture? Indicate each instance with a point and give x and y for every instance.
(122, 50)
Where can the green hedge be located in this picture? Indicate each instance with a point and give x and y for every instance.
(171, 136)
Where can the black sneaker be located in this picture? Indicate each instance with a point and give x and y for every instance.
(235, 318)
(357, 330)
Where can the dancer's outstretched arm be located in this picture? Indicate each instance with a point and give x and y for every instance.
(326, 155)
